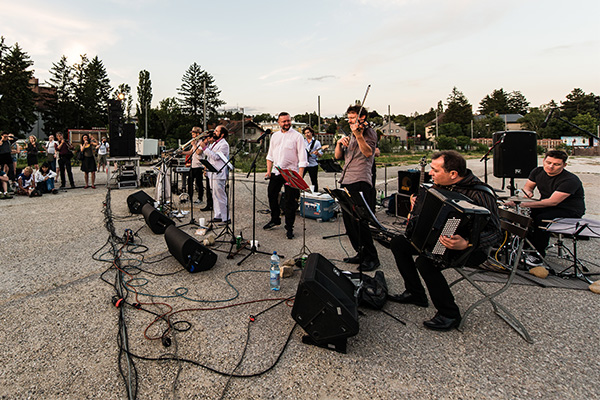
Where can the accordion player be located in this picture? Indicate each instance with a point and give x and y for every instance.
(439, 212)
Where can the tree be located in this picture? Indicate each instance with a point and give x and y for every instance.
(92, 91)
(62, 109)
(446, 143)
(265, 117)
(192, 90)
(459, 109)
(168, 113)
(517, 103)
(584, 121)
(578, 102)
(497, 103)
(485, 127)
(123, 91)
(17, 106)
(533, 120)
(451, 129)
(144, 97)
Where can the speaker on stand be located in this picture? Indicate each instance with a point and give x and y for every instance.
(515, 155)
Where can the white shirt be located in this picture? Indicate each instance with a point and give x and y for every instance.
(40, 178)
(50, 149)
(216, 154)
(287, 151)
(103, 149)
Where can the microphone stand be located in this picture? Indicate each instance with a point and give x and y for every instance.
(253, 248)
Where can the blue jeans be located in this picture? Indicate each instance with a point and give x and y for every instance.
(46, 186)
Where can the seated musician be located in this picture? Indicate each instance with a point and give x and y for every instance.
(561, 196)
(448, 171)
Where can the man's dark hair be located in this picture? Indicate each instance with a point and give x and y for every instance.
(224, 132)
(453, 161)
(283, 114)
(561, 155)
(308, 128)
(356, 109)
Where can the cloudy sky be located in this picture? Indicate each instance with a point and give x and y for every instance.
(269, 56)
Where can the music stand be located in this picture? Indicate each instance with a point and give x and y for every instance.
(331, 166)
(576, 228)
(293, 179)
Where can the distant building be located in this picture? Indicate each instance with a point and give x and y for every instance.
(251, 130)
(392, 129)
(510, 121)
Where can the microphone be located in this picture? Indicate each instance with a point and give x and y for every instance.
(545, 123)
(264, 135)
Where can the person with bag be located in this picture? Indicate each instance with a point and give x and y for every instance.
(65, 154)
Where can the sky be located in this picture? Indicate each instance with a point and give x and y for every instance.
(269, 56)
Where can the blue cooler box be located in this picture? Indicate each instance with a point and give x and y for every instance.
(321, 206)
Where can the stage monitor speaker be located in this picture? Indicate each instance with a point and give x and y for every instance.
(122, 141)
(157, 221)
(408, 181)
(188, 251)
(325, 305)
(515, 154)
(136, 201)
(399, 205)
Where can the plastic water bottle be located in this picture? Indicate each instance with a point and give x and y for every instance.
(275, 272)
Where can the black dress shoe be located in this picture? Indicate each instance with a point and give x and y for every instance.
(216, 220)
(441, 323)
(352, 260)
(289, 234)
(271, 225)
(369, 265)
(207, 208)
(408, 298)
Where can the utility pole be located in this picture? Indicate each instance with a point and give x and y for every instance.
(204, 112)
(319, 115)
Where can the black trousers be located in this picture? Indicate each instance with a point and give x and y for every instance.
(196, 176)
(538, 236)
(65, 164)
(439, 291)
(313, 172)
(209, 199)
(290, 203)
(358, 231)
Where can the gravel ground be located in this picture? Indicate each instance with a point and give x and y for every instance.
(58, 331)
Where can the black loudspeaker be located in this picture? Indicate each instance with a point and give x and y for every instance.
(122, 141)
(325, 305)
(188, 251)
(157, 221)
(136, 201)
(408, 181)
(399, 205)
(515, 154)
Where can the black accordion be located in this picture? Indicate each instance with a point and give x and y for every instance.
(442, 212)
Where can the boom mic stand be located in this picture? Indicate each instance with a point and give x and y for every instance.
(253, 248)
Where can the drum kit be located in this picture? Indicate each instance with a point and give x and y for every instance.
(575, 229)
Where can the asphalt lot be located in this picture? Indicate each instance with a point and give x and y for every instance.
(59, 330)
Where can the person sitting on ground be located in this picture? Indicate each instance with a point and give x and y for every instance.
(561, 196)
(4, 182)
(44, 179)
(25, 182)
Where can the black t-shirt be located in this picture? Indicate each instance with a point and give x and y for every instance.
(565, 182)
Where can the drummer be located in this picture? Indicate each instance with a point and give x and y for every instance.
(561, 196)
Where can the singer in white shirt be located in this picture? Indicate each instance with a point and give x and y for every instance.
(286, 151)
(217, 153)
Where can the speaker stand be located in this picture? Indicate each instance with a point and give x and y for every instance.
(338, 345)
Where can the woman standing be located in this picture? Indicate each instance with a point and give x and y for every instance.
(51, 152)
(32, 152)
(88, 164)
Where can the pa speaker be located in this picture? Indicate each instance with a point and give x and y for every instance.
(399, 205)
(136, 201)
(408, 181)
(325, 305)
(188, 251)
(157, 221)
(515, 154)
(122, 141)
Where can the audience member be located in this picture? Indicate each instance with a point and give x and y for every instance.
(44, 179)
(51, 152)
(65, 154)
(32, 152)
(313, 152)
(88, 164)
